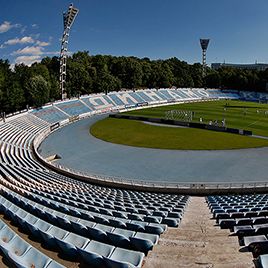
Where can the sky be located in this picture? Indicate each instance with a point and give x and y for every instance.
(157, 29)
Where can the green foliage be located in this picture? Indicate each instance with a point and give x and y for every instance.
(103, 73)
(39, 90)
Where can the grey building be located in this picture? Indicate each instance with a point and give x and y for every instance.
(254, 66)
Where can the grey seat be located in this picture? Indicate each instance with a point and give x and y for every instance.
(16, 245)
(263, 261)
(244, 230)
(31, 258)
(6, 234)
(261, 228)
(70, 244)
(152, 237)
(250, 240)
(122, 258)
(53, 233)
(54, 264)
(94, 251)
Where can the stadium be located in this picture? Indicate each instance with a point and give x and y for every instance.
(141, 177)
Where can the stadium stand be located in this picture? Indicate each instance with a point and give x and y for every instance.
(247, 217)
(50, 114)
(101, 225)
(73, 107)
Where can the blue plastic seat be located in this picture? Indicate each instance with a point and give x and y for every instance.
(94, 252)
(20, 214)
(123, 258)
(118, 240)
(31, 258)
(29, 220)
(153, 229)
(2, 225)
(37, 227)
(70, 243)
(152, 237)
(154, 219)
(135, 226)
(50, 235)
(54, 264)
(97, 234)
(171, 222)
(6, 234)
(16, 245)
(11, 211)
(263, 261)
(140, 244)
(64, 223)
(117, 223)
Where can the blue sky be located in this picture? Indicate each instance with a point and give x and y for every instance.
(238, 29)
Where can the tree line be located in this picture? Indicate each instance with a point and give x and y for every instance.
(32, 86)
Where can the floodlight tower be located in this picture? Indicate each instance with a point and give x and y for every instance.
(204, 46)
(68, 19)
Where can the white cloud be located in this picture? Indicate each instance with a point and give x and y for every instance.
(35, 26)
(23, 29)
(23, 40)
(6, 26)
(26, 40)
(42, 44)
(33, 50)
(27, 60)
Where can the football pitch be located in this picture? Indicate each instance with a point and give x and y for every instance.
(235, 114)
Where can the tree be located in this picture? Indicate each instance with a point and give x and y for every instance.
(39, 90)
(107, 82)
(16, 97)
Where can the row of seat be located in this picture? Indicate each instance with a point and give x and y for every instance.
(246, 217)
(120, 100)
(167, 214)
(20, 253)
(115, 235)
(71, 244)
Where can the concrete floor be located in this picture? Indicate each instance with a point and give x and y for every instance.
(198, 243)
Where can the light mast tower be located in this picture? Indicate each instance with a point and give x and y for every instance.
(204, 46)
(68, 19)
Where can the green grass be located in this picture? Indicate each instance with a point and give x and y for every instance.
(136, 133)
(234, 114)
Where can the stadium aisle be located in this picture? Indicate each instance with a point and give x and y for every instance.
(198, 243)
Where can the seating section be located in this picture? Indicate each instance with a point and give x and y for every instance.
(73, 107)
(50, 114)
(20, 253)
(246, 216)
(92, 224)
(98, 103)
(96, 225)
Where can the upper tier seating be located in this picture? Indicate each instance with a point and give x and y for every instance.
(127, 99)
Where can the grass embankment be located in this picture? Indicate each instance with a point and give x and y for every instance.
(237, 114)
